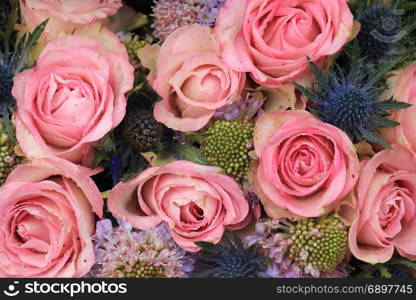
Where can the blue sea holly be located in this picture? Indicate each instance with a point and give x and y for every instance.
(384, 29)
(350, 101)
(14, 53)
(230, 259)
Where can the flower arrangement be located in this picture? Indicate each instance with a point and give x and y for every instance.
(207, 138)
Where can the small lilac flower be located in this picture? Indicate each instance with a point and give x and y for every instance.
(209, 12)
(123, 252)
(275, 237)
(247, 108)
(169, 15)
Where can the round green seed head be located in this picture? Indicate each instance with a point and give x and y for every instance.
(228, 144)
(140, 270)
(323, 242)
(8, 159)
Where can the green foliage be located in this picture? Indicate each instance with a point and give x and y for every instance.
(15, 52)
(395, 268)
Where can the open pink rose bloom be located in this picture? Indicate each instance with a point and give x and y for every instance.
(195, 201)
(386, 207)
(305, 167)
(271, 39)
(209, 139)
(47, 220)
(193, 80)
(73, 96)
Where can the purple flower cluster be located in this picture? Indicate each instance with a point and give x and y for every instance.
(247, 108)
(274, 238)
(207, 15)
(122, 252)
(171, 14)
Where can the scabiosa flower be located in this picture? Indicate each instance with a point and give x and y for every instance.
(207, 14)
(383, 29)
(230, 259)
(227, 144)
(124, 253)
(313, 247)
(350, 101)
(171, 14)
(253, 200)
(246, 108)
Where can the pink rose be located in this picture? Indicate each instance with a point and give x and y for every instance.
(47, 220)
(386, 207)
(192, 79)
(64, 16)
(195, 202)
(305, 167)
(272, 38)
(403, 88)
(73, 96)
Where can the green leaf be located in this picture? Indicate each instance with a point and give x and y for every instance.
(304, 91)
(392, 105)
(318, 74)
(9, 32)
(383, 122)
(354, 56)
(135, 89)
(191, 153)
(204, 245)
(27, 42)
(383, 271)
(99, 158)
(407, 263)
(370, 137)
(380, 73)
(138, 21)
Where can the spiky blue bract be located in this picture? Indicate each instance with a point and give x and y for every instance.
(380, 28)
(350, 101)
(6, 83)
(230, 259)
(14, 53)
(386, 28)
